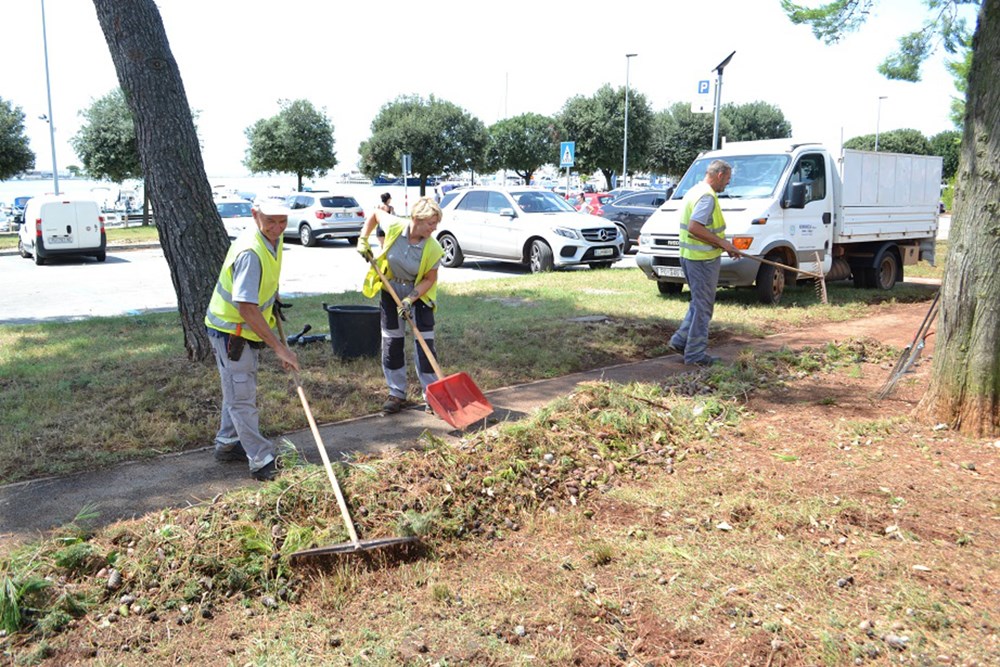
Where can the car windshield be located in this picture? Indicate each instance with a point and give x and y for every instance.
(754, 176)
(234, 209)
(540, 201)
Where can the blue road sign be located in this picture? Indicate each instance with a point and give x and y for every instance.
(703, 87)
(567, 153)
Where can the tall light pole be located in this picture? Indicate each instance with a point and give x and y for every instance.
(48, 90)
(628, 59)
(878, 117)
(718, 98)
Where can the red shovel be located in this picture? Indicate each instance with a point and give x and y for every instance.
(456, 398)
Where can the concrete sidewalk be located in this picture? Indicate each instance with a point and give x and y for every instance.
(28, 509)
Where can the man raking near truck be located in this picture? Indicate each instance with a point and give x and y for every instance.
(241, 320)
(807, 212)
(702, 242)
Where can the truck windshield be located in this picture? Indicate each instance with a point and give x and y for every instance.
(754, 176)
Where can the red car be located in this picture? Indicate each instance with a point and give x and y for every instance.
(595, 201)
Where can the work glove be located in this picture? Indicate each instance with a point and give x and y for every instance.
(365, 248)
(405, 311)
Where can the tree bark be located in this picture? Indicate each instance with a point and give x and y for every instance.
(191, 232)
(964, 391)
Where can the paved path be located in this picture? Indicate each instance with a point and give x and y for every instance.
(29, 508)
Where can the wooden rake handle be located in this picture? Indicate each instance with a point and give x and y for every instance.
(344, 512)
(780, 265)
(413, 326)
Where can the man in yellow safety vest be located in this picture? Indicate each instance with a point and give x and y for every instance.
(702, 242)
(241, 320)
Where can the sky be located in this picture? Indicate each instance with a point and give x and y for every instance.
(238, 58)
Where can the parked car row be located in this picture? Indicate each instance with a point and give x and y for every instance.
(314, 215)
(531, 226)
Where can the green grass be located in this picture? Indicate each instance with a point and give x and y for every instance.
(77, 395)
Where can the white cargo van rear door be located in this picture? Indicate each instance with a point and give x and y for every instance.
(88, 225)
(58, 225)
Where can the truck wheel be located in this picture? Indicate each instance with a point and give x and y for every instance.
(669, 288)
(101, 256)
(453, 256)
(540, 260)
(770, 283)
(886, 271)
(39, 260)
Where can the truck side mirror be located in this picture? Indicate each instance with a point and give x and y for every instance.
(796, 196)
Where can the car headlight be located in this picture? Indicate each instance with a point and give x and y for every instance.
(567, 232)
(645, 239)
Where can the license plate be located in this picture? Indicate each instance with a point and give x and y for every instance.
(343, 215)
(669, 271)
(604, 252)
(60, 239)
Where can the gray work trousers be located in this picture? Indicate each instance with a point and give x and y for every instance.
(703, 280)
(240, 419)
(393, 343)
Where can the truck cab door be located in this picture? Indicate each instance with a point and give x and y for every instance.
(809, 219)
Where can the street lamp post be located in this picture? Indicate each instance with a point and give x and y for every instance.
(718, 98)
(48, 90)
(628, 59)
(878, 117)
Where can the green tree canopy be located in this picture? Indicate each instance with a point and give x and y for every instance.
(679, 135)
(298, 140)
(597, 125)
(15, 156)
(522, 144)
(947, 144)
(755, 120)
(106, 142)
(440, 137)
(894, 141)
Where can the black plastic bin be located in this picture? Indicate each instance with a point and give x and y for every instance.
(354, 331)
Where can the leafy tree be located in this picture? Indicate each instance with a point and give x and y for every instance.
(15, 156)
(75, 171)
(298, 140)
(522, 144)
(960, 73)
(894, 141)
(440, 137)
(597, 125)
(947, 144)
(106, 142)
(755, 120)
(964, 389)
(679, 135)
(191, 232)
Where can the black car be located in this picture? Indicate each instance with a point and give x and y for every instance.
(630, 211)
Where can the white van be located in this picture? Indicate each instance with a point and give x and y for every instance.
(58, 225)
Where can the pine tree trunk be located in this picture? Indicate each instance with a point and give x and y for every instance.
(965, 384)
(191, 233)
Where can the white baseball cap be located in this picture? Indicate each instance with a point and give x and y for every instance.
(271, 206)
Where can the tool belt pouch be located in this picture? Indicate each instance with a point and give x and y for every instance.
(234, 347)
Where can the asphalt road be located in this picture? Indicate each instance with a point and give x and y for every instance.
(132, 281)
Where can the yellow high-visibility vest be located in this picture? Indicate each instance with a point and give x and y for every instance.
(692, 248)
(223, 313)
